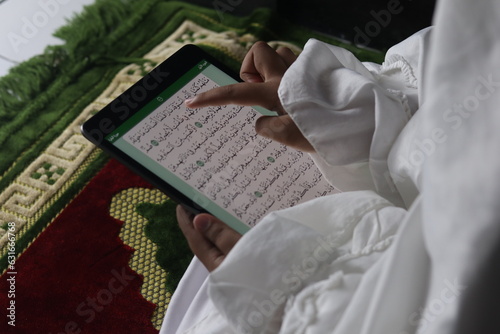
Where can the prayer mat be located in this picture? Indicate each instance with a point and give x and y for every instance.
(86, 246)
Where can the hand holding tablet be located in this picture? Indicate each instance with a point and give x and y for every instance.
(208, 158)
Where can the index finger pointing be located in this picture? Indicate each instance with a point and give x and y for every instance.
(245, 94)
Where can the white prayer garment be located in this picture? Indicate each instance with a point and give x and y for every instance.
(412, 243)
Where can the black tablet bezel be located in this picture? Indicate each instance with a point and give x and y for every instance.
(136, 97)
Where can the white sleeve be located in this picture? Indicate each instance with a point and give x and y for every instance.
(262, 284)
(352, 112)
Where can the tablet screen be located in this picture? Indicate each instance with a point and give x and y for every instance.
(214, 156)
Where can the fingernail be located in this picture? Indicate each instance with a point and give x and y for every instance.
(189, 101)
(202, 223)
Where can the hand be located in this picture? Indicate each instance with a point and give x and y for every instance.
(261, 71)
(209, 238)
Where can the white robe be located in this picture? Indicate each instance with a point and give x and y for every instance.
(412, 244)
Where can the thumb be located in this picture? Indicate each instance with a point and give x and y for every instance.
(208, 237)
(216, 232)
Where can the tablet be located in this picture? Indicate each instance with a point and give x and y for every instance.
(208, 159)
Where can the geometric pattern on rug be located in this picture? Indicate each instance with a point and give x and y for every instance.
(75, 276)
(123, 207)
(174, 254)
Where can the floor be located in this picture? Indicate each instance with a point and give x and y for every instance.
(26, 27)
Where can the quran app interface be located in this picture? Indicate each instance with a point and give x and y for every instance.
(214, 156)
